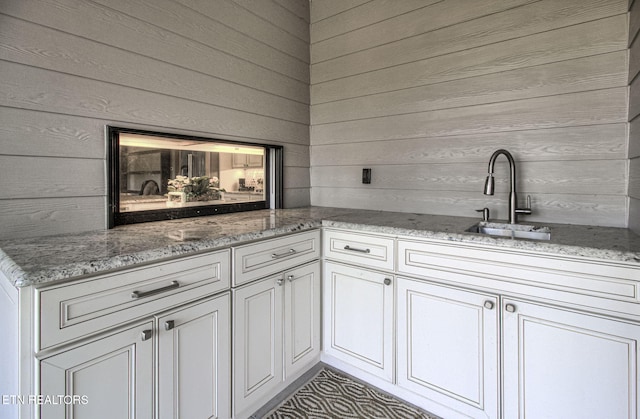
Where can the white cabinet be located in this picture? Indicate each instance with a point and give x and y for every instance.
(276, 334)
(194, 357)
(174, 363)
(448, 346)
(110, 377)
(358, 318)
(302, 320)
(565, 364)
(116, 375)
(247, 160)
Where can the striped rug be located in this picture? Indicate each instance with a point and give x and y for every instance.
(331, 395)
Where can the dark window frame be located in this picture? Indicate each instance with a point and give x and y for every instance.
(273, 168)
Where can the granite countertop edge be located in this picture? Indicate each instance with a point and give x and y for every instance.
(521, 245)
(573, 241)
(20, 278)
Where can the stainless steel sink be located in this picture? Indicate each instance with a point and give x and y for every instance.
(520, 231)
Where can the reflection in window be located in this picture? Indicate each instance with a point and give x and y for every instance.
(172, 174)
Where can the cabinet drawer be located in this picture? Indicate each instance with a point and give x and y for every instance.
(81, 308)
(363, 249)
(267, 257)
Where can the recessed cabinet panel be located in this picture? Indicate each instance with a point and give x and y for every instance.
(114, 375)
(257, 343)
(268, 257)
(301, 317)
(364, 249)
(564, 364)
(448, 346)
(358, 310)
(194, 353)
(80, 308)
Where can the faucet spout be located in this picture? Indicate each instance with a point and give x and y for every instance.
(489, 185)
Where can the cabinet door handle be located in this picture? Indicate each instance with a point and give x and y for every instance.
(279, 281)
(387, 281)
(146, 334)
(511, 308)
(290, 278)
(169, 324)
(139, 294)
(355, 249)
(281, 255)
(488, 305)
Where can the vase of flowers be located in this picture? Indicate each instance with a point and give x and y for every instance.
(184, 189)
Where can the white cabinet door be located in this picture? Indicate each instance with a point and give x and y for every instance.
(194, 356)
(564, 364)
(114, 375)
(301, 318)
(257, 340)
(358, 318)
(448, 346)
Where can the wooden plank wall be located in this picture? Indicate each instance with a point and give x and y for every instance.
(634, 116)
(424, 92)
(236, 69)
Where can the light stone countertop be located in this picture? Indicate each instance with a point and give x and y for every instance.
(45, 259)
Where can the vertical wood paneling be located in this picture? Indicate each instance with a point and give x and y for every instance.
(425, 97)
(209, 68)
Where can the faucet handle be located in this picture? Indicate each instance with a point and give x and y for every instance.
(485, 213)
(526, 210)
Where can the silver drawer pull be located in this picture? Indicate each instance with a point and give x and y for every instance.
(355, 249)
(146, 334)
(172, 286)
(281, 255)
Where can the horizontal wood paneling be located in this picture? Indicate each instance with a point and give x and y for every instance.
(297, 7)
(44, 217)
(107, 26)
(32, 88)
(296, 177)
(423, 98)
(634, 138)
(46, 177)
(634, 178)
(605, 210)
(634, 215)
(591, 142)
(408, 25)
(586, 108)
(600, 177)
(634, 110)
(578, 75)
(634, 22)
(597, 37)
(209, 30)
(225, 69)
(234, 16)
(323, 9)
(297, 197)
(30, 133)
(70, 54)
(634, 60)
(513, 23)
(280, 16)
(364, 15)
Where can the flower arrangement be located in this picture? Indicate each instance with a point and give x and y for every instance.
(197, 188)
